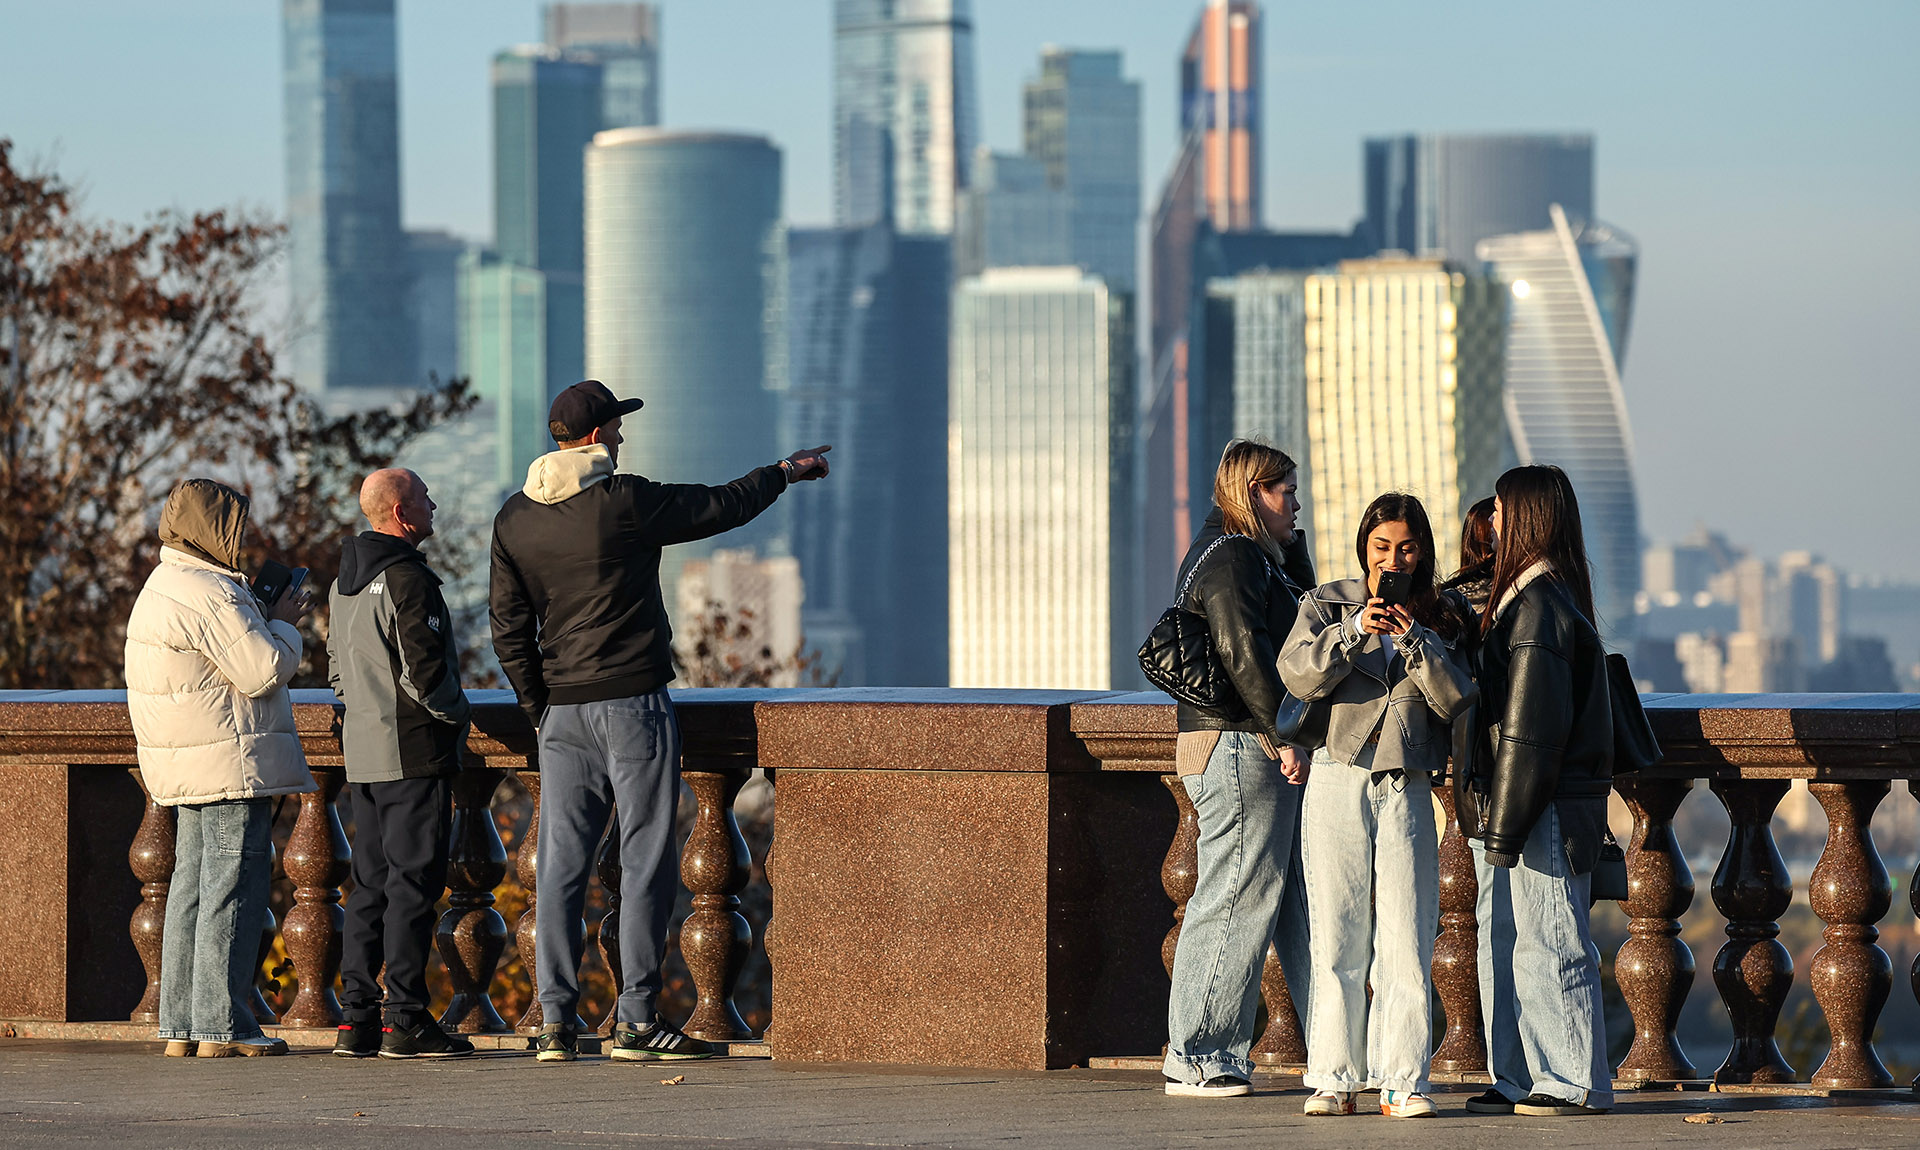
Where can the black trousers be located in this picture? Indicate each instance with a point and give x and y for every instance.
(399, 872)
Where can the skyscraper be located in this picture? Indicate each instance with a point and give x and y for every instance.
(685, 286)
(1220, 95)
(1403, 393)
(1011, 216)
(1441, 195)
(1564, 400)
(1040, 482)
(1082, 121)
(904, 123)
(546, 109)
(347, 252)
(433, 289)
(867, 373)
(624, 39)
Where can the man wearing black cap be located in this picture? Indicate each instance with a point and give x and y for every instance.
(581, 631)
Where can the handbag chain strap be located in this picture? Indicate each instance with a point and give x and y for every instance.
(1194, 571)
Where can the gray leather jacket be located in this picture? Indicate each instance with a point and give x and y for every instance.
(1327, 657)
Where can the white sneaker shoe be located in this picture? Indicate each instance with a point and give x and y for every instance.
(1400, 1104)
(1329, 1104)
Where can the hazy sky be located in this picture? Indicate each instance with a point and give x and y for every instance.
(1766, 156)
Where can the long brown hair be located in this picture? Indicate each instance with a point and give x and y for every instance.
(1244, 463)
(1424, 604)
(1476, 536)
(1539, 519)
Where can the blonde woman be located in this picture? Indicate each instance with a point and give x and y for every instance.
(1243, 573)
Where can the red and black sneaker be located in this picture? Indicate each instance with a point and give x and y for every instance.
(358, 1039)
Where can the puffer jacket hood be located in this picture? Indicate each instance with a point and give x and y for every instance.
(206, 519)
(560, 475)
(364, 556)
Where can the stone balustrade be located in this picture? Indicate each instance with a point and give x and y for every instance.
(989, 878)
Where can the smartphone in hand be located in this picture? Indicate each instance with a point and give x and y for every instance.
(276, 581)
(1394, 588)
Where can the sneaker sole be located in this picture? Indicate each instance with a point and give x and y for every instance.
(556, 1056)
(424, 1054)
(1483, 1108)
(1570, 1110)
(1396, 1112)
(339, 1053)
(1188, 1090)
(620, 1055)
(1347, 1113)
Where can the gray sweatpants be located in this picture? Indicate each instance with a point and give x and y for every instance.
(622, 754)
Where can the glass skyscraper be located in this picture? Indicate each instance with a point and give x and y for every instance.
(546, 109)
(904, 124)
(867, 373)
(1011, 216)
(1220, 93)
(1564, 399)
(624, 39)
(1441, 195)
(685, 292)
(1039, 482)
(347, 252)
(1082, 121)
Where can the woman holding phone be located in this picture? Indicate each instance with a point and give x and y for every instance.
(1535, 803)
(1240, 574)
(1381, 654)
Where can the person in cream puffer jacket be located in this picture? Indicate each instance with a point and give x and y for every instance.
(207, 679)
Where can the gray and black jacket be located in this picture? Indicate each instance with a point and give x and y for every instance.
(394, 664)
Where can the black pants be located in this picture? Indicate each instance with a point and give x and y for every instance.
(399, 872)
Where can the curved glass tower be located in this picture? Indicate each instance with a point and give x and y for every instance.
(685, 278)
(1572, 292)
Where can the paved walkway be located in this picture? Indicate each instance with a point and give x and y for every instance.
(57, 1093)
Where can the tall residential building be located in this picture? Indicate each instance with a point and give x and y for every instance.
(624, 40)
(520, 343)
(685, 286)
(433, 302)
(1403, 391)
(867, 314)
(1565, 405)
(1082, 121)
(761, 601)
(347, 253)
(1441, 195)
(1220, 95)
(904, 124)
(1165, 468)
(1254, 333)
(546, 109)
(1039, 481)
(1011, 216)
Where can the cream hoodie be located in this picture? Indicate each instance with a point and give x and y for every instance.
(560, 475)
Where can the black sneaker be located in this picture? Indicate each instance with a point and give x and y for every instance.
(557, 1043)
(1547, 1106)
(424, 1040)
(1492, 1102)
(358, 1039)
(631, 1043)
(1219, 1086)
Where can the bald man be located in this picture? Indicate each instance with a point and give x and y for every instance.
(395, 666)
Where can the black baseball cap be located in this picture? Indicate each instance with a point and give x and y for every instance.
(583, 407)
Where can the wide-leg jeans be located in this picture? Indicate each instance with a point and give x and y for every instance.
(1247, 896)
(621, 755)
(1540, 975)
(216, 907)
(1372, 858)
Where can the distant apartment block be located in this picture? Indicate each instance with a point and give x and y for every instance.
(1082, 123)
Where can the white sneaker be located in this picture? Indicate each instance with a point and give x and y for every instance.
(1400, 1104)
(1219, 1086)
(1329, 1104)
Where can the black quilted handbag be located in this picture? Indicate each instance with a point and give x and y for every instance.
(1178, 655)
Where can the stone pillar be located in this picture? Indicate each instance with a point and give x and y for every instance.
(1456, 953)
(269, 930)
(715, 938)
(1851, 976)
(608, 932)
(1654, 968)
(151, 857)
(525, 866)
(1284, 1041)
(1180, 874)
(471, 935)
(318, 861)
(1753, 971)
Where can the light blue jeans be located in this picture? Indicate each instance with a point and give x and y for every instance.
(1540, 975)
(1249, 850)
(216, 903)
(1373, 905)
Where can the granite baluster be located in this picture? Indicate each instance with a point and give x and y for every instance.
(1456, 952)
(318, 860)
(1752, 971)
(1851, 976)
(1655, 968)
(471, 935)
(715, 938)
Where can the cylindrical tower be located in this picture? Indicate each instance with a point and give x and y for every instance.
(685, 279)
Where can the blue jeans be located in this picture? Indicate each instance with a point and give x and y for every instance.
(1373, 869)
(1249, 846)
(1540, 975)
(216, 906)
(621, 755)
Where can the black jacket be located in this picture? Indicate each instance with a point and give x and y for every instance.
(1249, 606)
(575, 597)
(393, 661)
(1545, 728)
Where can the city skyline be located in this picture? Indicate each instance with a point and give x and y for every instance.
(1785, 146)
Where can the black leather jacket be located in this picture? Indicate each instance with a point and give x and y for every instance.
(1249, 608)
(1544, 734)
